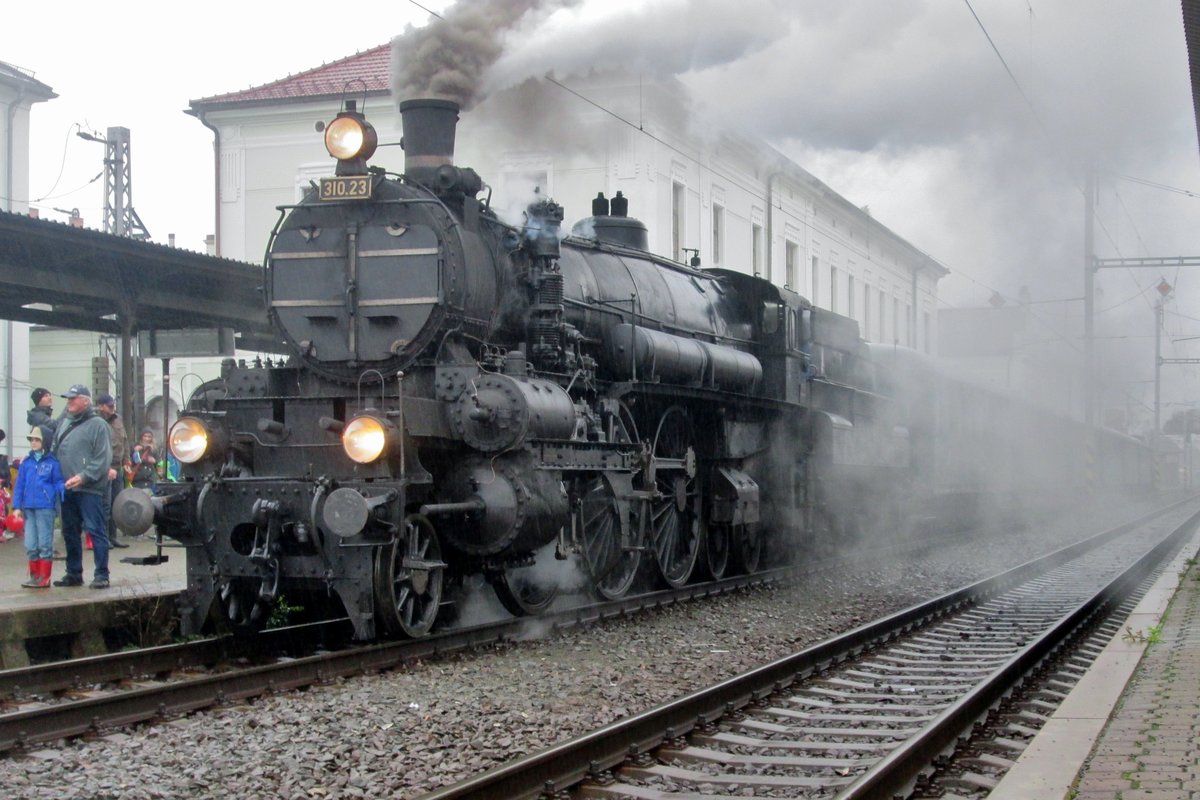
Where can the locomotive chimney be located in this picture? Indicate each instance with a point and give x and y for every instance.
(429, 127)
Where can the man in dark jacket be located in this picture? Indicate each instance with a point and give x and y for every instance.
(106, 406)
(42, 412)
(83, 447)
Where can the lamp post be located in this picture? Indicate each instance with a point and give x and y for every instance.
(121, 220)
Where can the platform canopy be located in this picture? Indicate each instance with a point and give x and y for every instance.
(1191, 33)
(52, 273)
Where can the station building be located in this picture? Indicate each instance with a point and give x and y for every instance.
(703, 190)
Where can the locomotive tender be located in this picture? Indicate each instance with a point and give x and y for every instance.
(468, 397)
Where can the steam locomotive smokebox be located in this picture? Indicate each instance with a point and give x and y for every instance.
(429, 128)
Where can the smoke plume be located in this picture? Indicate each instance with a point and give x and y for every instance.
(448, 58)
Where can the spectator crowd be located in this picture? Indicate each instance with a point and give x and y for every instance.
(78, 462)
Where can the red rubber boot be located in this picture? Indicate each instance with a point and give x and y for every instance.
(35, 575)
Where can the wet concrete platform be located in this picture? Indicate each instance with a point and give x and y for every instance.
(44, 624)
(1130, 729)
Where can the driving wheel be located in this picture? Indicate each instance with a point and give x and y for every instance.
(748, 547)
(520, 590)
(611, 562)
(674, 510)
(716, 549)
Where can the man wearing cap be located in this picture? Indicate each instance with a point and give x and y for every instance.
(42, 412)
(83, 446)
(106, 406)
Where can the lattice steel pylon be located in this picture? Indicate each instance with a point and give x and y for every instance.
(119, 217)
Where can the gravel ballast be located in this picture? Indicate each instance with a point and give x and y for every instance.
(424, 725)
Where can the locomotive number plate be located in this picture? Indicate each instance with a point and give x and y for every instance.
(346, 187)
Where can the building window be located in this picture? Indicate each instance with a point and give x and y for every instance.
(756, 250)
(813, 296)
(895, 320)
(678, 199)
(791, 256)
(850, 296)
(833, 289)
(718, 233)
(866, 315)
(910, 328)
(928, 332)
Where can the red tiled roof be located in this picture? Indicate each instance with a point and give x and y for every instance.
(370, 66)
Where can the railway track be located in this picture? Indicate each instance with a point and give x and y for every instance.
(79, 697)
(866, 715)
(72, 698)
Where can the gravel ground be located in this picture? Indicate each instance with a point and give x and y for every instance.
(407, 731)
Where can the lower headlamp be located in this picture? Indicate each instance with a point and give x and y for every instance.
(365, 438)
(189, 440)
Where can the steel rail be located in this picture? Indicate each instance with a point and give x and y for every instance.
(904, 765)
(91, 670)
(562, 766)
(128, 706)
(57, 676)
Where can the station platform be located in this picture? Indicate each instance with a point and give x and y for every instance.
(1128, 730)
(77, 621)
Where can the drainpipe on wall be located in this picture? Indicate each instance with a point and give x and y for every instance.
(912, 334)
(770, 221)
(216, 178)
(8, 326)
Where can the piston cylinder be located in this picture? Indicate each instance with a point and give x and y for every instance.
(508, 506)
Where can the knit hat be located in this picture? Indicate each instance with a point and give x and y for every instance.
(37, 394)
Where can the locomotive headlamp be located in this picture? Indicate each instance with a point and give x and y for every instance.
(189, 439)
(350, 138)
(365, 439)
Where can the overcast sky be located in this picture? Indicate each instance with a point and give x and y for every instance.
(900, 105)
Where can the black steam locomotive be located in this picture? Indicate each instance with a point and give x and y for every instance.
(467, 398)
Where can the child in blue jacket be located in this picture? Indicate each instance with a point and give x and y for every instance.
(36, 497)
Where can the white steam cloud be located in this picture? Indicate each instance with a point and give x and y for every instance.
(906, 107)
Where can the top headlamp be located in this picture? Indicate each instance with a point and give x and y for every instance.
(350, 137)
